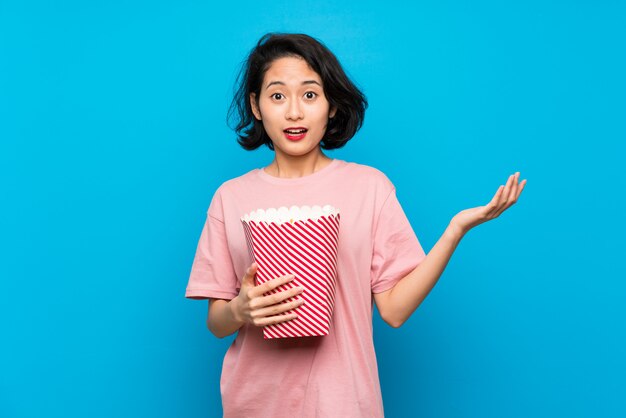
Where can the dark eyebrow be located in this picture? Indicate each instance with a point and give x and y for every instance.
(282, 84)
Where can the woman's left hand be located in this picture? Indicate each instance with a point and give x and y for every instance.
(504, 198)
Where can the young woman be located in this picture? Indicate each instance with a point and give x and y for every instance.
(295, 98)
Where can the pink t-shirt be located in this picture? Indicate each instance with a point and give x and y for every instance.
(326, 376)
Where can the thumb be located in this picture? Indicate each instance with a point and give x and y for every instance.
(248, 278)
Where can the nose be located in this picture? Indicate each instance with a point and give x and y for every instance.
(294, 110)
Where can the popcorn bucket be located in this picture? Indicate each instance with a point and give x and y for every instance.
(301, 241)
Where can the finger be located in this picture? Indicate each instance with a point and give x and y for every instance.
(271, 320)
(513, 196)
(521, 187)
(507, 188)
(248, 277)
(279, 296)
(270, 285)
(512, 192)
(493, 204)
(503, 197)
(511, 199)
(278, 309)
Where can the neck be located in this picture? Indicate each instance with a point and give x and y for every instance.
(287, 166)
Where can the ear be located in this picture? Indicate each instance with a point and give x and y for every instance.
(255, 108)
(332, 113)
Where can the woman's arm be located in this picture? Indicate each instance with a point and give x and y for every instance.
(398, 303)
(221, 320)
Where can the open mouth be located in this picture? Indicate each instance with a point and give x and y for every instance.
(295, 134)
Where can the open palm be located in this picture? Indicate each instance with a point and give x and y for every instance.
(504, 198)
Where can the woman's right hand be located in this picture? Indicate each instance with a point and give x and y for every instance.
(252, 307)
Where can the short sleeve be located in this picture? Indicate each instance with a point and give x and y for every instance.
(397, 250)
(212, 273)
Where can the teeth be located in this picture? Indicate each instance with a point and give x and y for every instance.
(296, 132)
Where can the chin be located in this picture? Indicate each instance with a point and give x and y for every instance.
(303, 146)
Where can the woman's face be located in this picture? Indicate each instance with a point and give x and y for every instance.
(292, 98)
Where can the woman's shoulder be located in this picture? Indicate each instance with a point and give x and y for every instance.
(233, 184)
(368, 172)
(243, 178)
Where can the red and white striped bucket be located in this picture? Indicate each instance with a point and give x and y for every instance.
(301, 241)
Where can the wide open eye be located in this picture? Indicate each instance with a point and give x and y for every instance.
(310, 95)
(275, 94)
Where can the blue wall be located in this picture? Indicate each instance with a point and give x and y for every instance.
(113, 140)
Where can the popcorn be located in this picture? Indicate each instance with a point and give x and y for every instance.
(302, 241)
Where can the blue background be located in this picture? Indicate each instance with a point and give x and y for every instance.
(113, 139)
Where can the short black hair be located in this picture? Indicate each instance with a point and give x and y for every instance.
(339, 90)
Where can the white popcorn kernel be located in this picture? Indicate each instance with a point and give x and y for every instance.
(291, 215)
